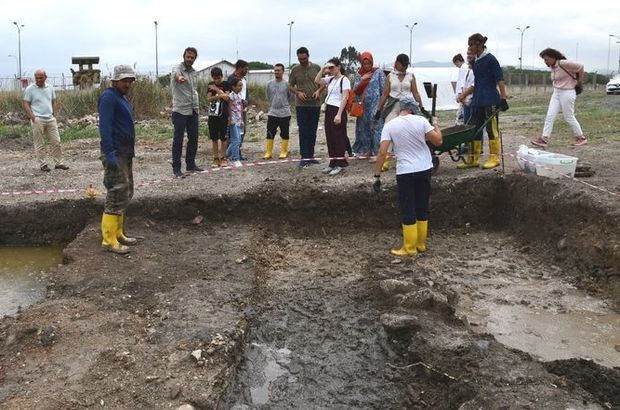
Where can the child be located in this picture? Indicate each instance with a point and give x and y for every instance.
(235, 122)
(218, 116)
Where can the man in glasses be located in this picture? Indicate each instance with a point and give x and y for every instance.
(308, 104)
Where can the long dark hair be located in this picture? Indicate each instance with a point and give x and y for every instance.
(477, 39)
(553, 53)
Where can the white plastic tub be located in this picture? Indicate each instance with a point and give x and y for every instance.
(546, 164)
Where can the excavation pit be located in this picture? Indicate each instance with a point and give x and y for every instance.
(285, 296)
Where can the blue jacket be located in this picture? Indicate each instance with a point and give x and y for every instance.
(487, 73)
(116, 127)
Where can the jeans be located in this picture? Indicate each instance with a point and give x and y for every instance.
(308, 122)
(414, 191)
(232, 151)
(182, 123)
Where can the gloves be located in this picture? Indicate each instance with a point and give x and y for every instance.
(376, 186)
(111, 162)
(377, 115)
(503, 105)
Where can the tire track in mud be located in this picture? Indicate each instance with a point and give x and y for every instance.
(318, 321)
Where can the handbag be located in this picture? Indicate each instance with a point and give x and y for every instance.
(357, 108)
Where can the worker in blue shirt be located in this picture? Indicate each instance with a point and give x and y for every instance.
(118, 138)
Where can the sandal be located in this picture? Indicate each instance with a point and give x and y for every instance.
(540, 142)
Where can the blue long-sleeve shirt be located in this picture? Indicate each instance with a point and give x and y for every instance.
(487, 73)
(116, 127)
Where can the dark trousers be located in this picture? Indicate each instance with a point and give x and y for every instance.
(308, 122)
(479, 115)
(183, 123)
(414, 191)
(336, 136)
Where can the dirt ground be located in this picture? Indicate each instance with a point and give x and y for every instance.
(272, 287)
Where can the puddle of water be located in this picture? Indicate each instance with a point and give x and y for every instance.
(23, 275)
(265, 365)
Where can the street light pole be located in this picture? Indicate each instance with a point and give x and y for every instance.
(521, 48)
(290, 29)
(19, 50)
(156, 54)
(410, 27)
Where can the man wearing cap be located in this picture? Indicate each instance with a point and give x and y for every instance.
(40, 106)
(184, 85)
(408, 134)
(118, 137)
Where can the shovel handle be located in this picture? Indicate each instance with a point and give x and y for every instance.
(434, 99)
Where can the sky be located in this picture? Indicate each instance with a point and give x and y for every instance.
(124, 32)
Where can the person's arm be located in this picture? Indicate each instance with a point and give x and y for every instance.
(434, 136)
(467, 91)
(230, 121)
(319, 76)
(28, 108)
(383, 150)
(384, 95)
(415, 92)
(54, 107)
(106, 119)
(343, 103)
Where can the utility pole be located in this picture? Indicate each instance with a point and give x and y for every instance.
(156, 54)
(521, 48)
(19, 50)
(410, 27)
(290, 29)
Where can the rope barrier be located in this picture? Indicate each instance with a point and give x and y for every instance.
(156, 182)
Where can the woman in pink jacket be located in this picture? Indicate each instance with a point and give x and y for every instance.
(567, 76)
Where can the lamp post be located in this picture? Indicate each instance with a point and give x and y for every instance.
(410, 27)
(290, 30)
(156, 56)
(609, 49)
(19, 51)
(521, 48)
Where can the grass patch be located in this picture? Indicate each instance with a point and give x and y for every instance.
(78, 132)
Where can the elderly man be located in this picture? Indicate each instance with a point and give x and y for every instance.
(184, 85)
(40, 106)
(118, 137)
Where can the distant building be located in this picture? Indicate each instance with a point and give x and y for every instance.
(226, 66)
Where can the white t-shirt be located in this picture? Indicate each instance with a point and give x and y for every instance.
(334, 96)
(408, 136)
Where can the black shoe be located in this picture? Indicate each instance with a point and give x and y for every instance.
(178, 174)
(315, 161)
(61, 166)
(45, 168)
(195, 168)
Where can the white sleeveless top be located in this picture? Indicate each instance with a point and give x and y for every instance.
(400, 89)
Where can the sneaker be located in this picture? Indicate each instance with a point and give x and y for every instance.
(178, 174)
(335, 171)
(215, 163)
(327, 170)
(61, 166)
(195, 168)
(223, 162)
(315, 161)
(237, 164)
(579, 141)
(540, 142)
(304, 164)
(45, 168)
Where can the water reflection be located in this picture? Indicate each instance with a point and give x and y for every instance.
(23, 275)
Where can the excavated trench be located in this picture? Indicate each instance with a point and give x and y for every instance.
(290, 299)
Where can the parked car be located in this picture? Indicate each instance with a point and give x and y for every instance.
(613, 85)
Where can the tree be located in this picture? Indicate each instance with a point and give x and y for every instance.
(258, 65)
(350, 59)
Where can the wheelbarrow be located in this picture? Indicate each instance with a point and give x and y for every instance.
(455, 138)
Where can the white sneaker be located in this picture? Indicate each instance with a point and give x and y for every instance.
(327, 170)
(237, 164)
(335, 171)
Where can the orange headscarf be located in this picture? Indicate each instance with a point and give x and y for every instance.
(361, 86)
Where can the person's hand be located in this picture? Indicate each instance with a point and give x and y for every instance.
(111, 162)
(316, 95)
(377, 115)
(337, 119)
(367, 75)
(376, 186)
(301, 95)
(503, 105)
(181, 79)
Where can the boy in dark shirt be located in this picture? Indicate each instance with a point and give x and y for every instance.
(218, 116)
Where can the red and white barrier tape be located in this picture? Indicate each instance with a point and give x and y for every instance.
(270, 162)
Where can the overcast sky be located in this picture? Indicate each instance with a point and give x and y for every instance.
(123, 32)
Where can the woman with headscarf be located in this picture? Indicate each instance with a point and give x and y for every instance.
(369, 82)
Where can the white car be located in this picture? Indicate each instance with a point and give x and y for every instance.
(613, 85)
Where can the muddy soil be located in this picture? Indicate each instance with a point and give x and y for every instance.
(272, 287)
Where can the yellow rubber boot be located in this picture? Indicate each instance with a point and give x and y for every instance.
(494, 149)
(283, 149)
(109, 228)
(386, 164)
(269, 151)
(120, 233)
(422, 234)
(473, 156)
(410, 240)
